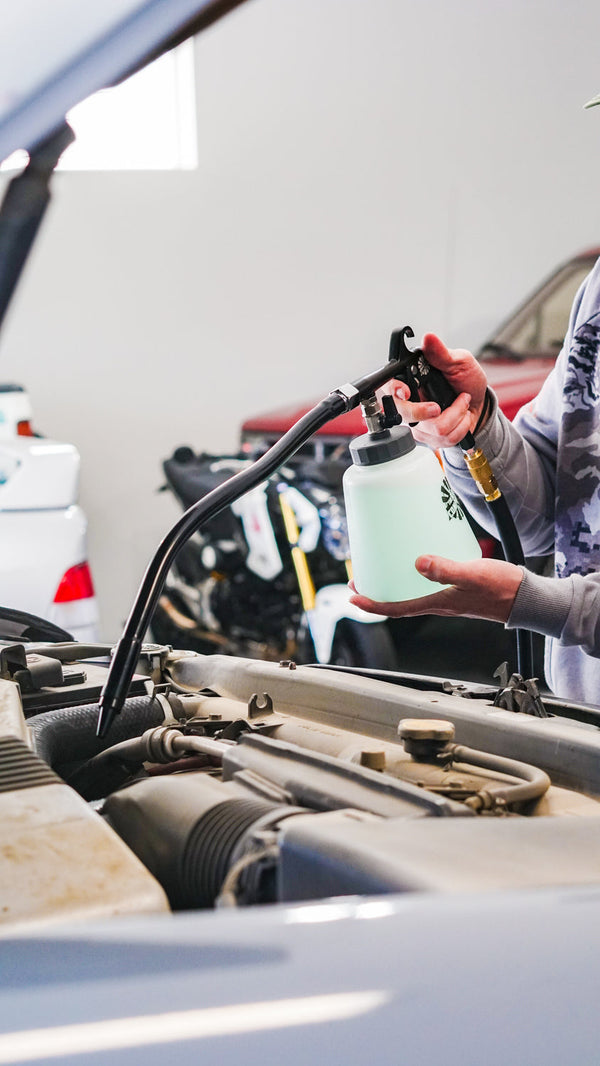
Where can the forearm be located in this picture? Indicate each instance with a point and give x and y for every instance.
(565, 608)
(525, 477)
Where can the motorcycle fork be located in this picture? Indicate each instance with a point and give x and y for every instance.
(303, 574)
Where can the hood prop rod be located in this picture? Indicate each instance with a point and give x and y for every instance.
(23, 208)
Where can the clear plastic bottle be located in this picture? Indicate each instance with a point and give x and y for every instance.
(399, 505)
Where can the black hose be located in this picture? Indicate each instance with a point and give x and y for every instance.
(128, 649)
(343, 399)
(513, 553)
(68, 734)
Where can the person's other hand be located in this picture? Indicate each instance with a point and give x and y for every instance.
(481, 588)
(443, 429)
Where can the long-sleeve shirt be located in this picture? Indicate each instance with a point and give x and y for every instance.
(547, 464)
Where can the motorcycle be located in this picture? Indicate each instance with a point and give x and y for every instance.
(267, 577)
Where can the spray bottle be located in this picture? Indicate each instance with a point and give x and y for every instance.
(399, 505)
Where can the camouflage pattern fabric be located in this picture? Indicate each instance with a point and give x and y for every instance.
(577, 520)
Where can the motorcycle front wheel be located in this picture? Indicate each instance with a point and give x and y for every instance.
(363, 644)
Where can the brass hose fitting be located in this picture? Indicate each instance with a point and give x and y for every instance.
(482, 474)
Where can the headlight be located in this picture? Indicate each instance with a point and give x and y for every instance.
(335, 531)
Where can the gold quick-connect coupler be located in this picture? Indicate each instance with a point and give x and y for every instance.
(482, 475)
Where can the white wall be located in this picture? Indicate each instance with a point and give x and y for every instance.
(363, 164)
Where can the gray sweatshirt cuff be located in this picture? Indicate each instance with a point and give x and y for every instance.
(542, 604)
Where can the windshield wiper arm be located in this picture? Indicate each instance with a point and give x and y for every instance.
(505, 350)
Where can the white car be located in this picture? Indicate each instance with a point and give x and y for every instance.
(44, 568)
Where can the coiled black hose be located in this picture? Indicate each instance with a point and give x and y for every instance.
(68, 734)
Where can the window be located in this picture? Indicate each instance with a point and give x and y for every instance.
(147, 123)
(537, 329)
(543, 331)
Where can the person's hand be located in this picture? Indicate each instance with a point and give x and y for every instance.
(481, 588)
(443, 429)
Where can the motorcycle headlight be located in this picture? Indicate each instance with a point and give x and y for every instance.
(335, 532)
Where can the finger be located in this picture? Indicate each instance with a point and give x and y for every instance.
(459, 366)
(465, 576)
(398, 389)
(444, 358)
(450, 432)
(417, 411)
(434, 604)
(436, 351)
(461, 429)
(454, 415)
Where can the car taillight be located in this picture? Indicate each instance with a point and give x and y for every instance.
(76, 584)
(24, 428)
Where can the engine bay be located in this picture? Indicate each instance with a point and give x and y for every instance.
(238, 782)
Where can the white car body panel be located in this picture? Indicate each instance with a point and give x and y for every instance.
(37, 474)
(15, 407)
(38, 547)
(43, 532)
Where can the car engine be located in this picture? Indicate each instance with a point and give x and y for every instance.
(236, 782)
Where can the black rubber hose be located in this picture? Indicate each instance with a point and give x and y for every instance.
(345, 398)
(513, 553)
(68, 734)
(129, 647)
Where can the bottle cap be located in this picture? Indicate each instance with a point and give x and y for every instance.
(380, 447)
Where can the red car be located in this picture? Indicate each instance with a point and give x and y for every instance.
(517, 358)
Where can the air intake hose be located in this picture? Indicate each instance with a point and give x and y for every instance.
(189, 830)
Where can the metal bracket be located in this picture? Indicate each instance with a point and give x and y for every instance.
(259, 705)
(516, 694)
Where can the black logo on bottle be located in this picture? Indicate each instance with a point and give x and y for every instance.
(451, 502)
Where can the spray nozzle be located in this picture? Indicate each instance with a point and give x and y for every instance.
(380, 418)
(391, 414)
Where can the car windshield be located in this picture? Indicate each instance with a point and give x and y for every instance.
(538, 328)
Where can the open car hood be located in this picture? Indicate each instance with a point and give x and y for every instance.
(55, 55)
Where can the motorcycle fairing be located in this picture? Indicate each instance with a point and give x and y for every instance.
(332, 603)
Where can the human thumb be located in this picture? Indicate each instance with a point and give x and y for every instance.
(436, 351)
(444, 571)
